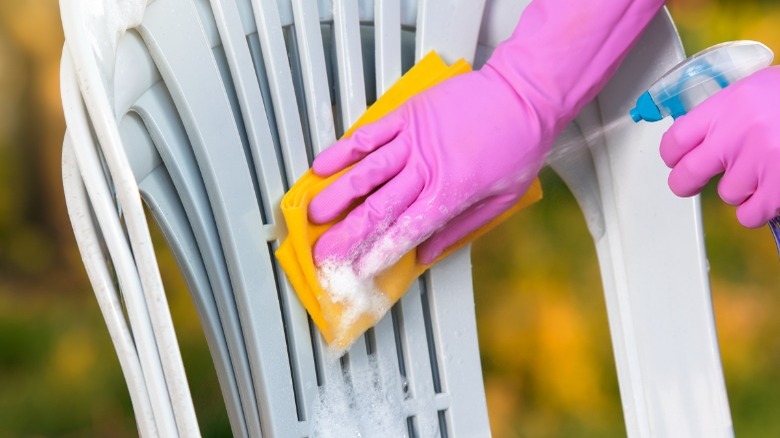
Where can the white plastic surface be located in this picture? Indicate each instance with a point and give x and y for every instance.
(240, 95)
(107, 297)
(92, 46)
(650, 247)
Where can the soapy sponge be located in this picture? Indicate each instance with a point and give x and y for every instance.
(340, 315)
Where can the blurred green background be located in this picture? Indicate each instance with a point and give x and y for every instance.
(546, 350)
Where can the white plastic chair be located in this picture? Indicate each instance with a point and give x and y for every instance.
(208, 110)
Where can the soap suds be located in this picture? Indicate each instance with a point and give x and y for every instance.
(365, 402)
(385, 252)
(357, 295)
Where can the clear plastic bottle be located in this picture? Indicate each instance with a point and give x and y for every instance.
(692, 81)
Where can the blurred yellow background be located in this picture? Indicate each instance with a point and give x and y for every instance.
(546, 350)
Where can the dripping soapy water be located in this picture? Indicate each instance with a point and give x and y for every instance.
(362, 402)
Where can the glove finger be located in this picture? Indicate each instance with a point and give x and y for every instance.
(763, 205)
(362, 142)
(461, 226)
(368, 174)
(695, 169)
(346, 239)
(738, 183)
(413, 226)
(687, 133)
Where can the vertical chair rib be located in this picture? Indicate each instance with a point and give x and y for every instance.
(671, 315)
(346, 29)
(457, 347)
(453, 344)
(352, 99)
(160, 196)
(418, 368)
(96, 98)
(222, 162)
(315, 83)
(97, 269)
(280, 80)
(289, 127)
(322, 130)
(271, 182)
(387, 56)
(453, 38)
(119, 249)
(387, 60)
(251, 102)
(159, 115)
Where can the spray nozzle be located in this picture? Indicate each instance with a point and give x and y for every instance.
(646, 109)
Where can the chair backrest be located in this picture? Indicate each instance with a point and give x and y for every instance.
(211, 109)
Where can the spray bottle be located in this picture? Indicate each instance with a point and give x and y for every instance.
(692, 81)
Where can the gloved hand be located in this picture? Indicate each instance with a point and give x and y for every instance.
(735, 131)
(463, 152)
(451, 159)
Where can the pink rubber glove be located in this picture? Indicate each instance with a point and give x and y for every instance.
(736, 131)
(458, 155)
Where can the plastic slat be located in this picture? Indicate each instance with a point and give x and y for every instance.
(328, 371)
(322, 134)
(454, 37)
(192, 79)
(671, 314)
(387, 61)
(161, 119)
(456, 352)
(352, 100)
(346, 29)
(271, 185)
(119, 250)
(315, 82)
(251, 104)
(387, 30)
(599, 206)
(409, 13)
(305, 50)
(144, 161)
(280, 81)
(455, 338)
(326, 10)
(418, 365)
(86, 233)
(385, 345)
(92, 60)
(159, 194)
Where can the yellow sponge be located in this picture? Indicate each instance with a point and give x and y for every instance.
(295, 253)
